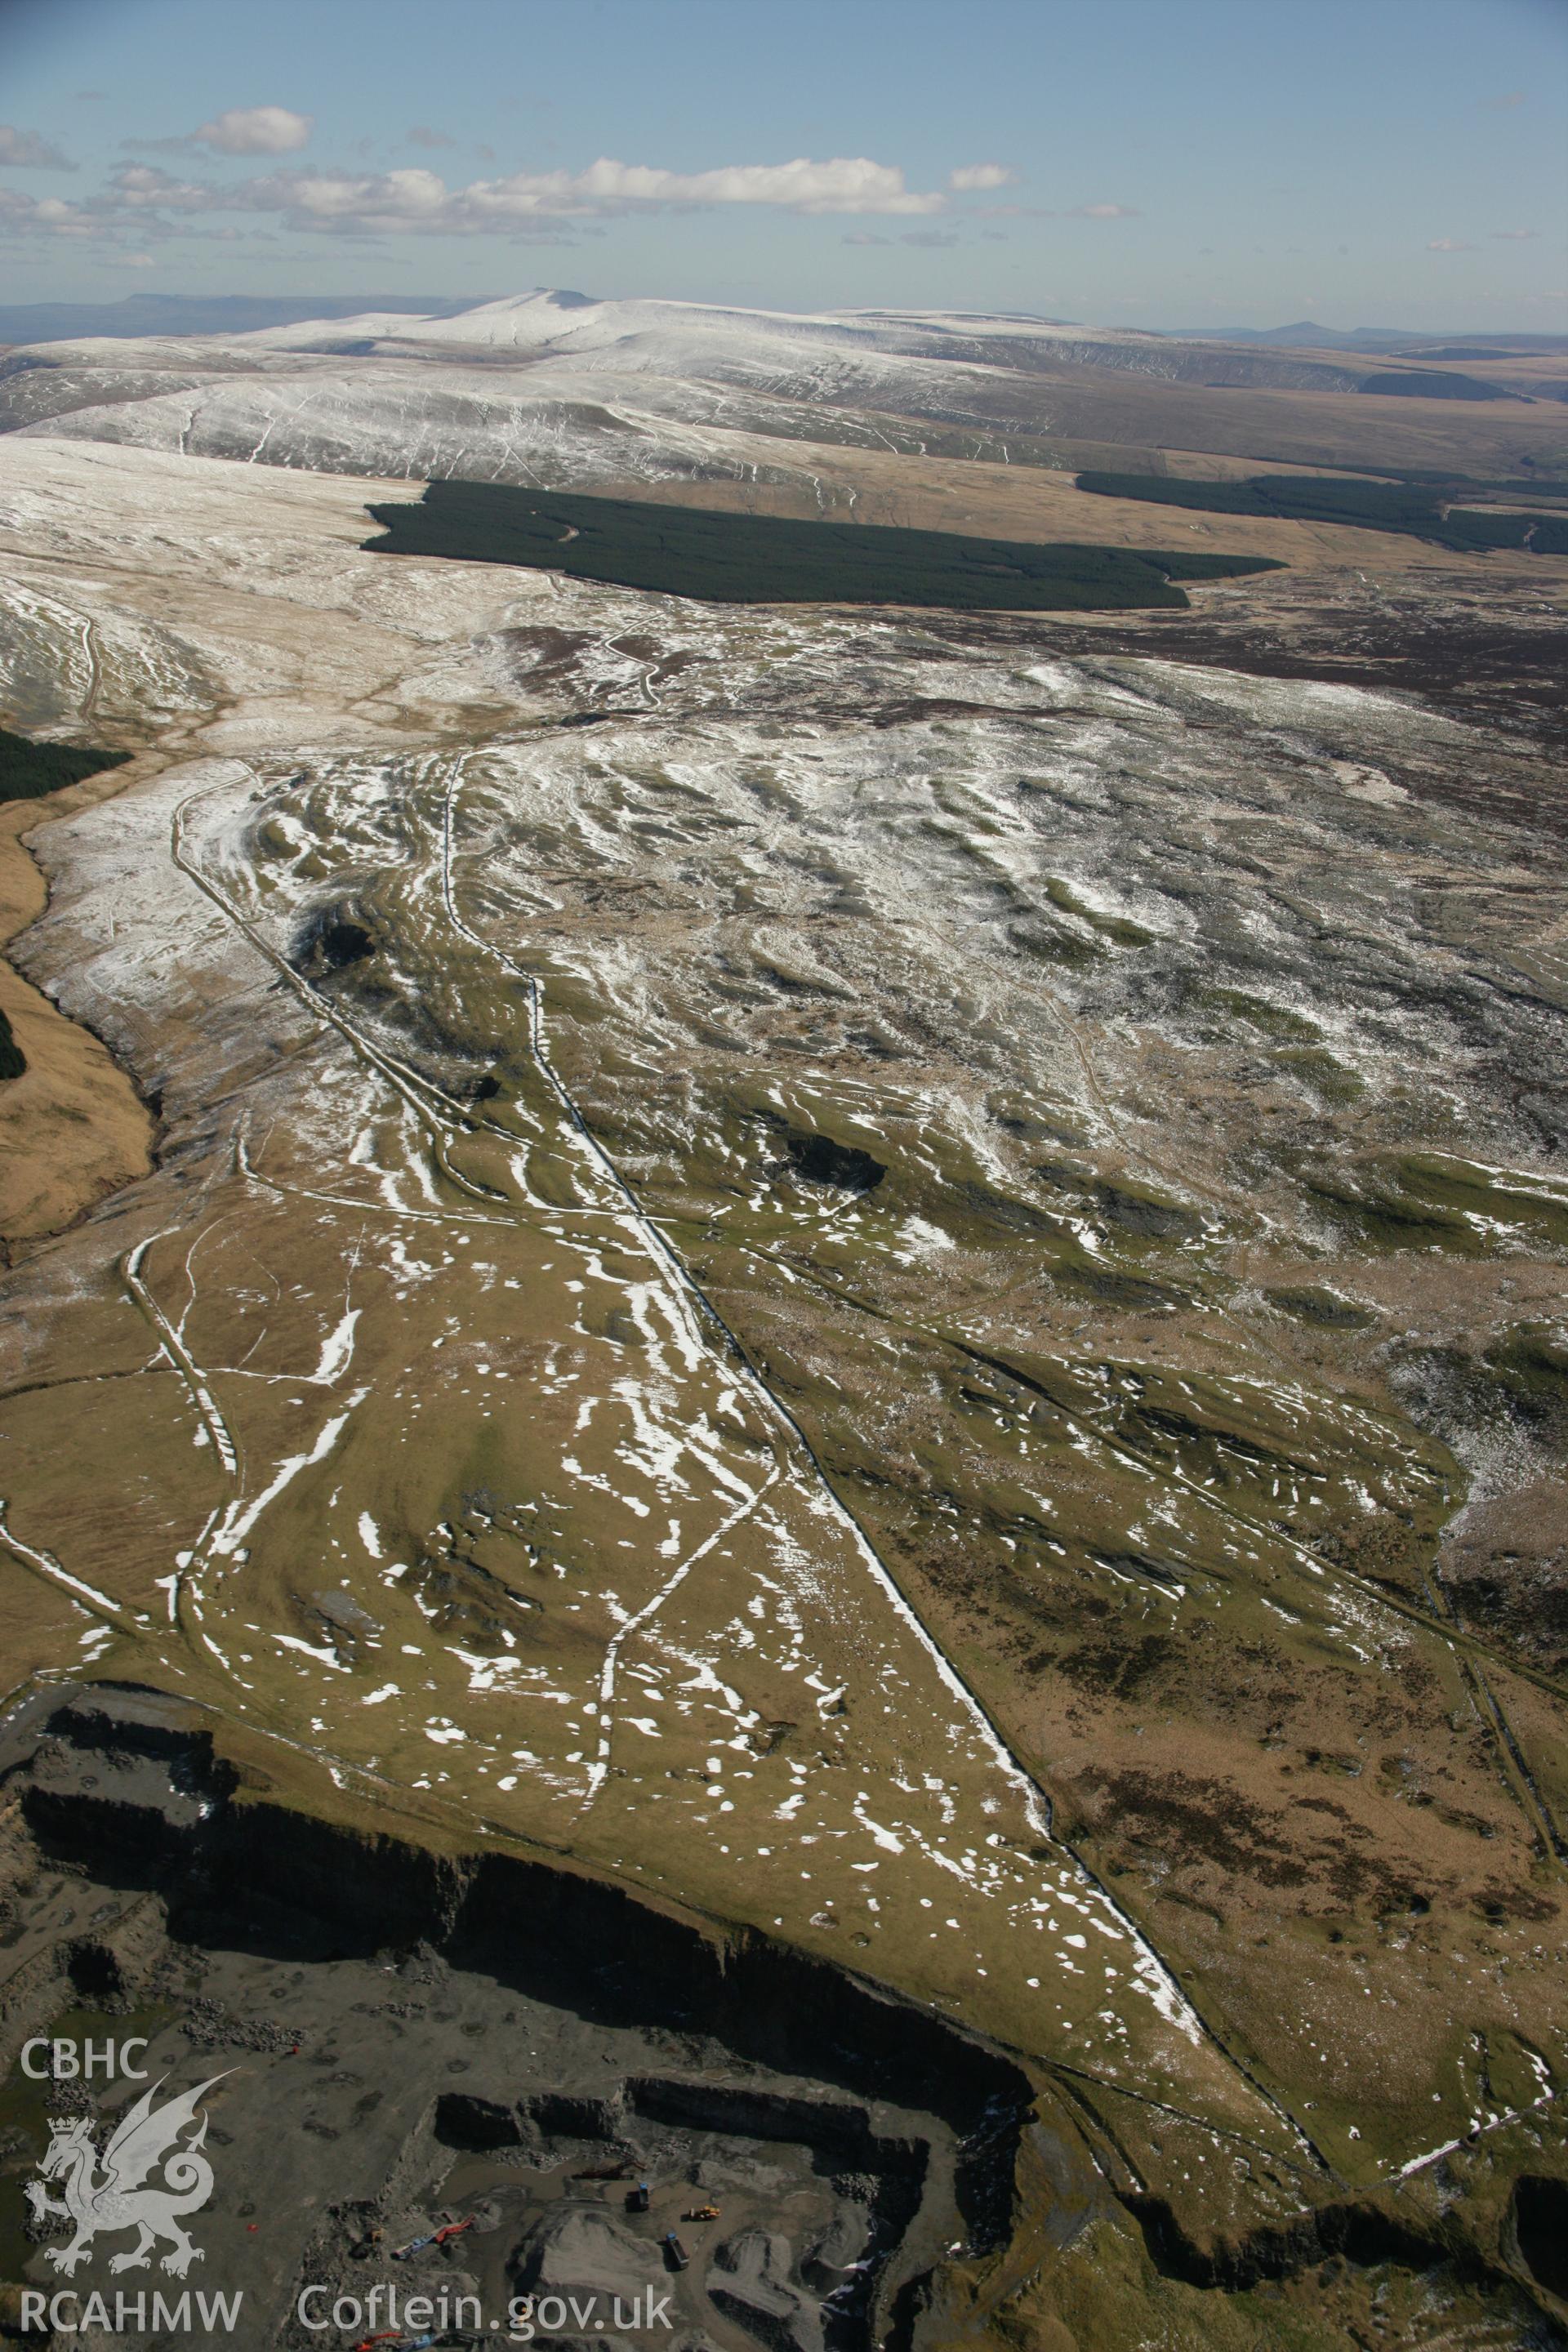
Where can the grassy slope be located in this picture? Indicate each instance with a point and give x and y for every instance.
(72, 1129)
(1417, 513)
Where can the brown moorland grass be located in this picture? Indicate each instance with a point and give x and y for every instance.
(966, 495)
(1312, 428)
(72, 1129)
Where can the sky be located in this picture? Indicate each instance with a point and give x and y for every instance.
(1136, 162)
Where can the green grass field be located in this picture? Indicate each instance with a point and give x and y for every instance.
(732, 558)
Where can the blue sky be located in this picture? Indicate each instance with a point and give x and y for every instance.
(1158, 163)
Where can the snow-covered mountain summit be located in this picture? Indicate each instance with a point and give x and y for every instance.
(572, 392)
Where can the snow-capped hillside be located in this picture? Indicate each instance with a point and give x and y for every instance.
(694, 339)
(413, 422)
(561, 389)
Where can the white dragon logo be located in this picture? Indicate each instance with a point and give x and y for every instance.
(145, 2136)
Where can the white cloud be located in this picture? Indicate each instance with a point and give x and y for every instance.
(421, 135)
(256, 131)
(929, 237)
(147, 187)
(1448, 244)
(846, 185)
(413, 200)
(1104, 212)
(142, 201)
(47, 215)
(25, 148)
(971, 176)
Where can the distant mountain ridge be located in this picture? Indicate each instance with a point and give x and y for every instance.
(1307, 335)
(137, 315)
(204, 314)
(554, 387)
